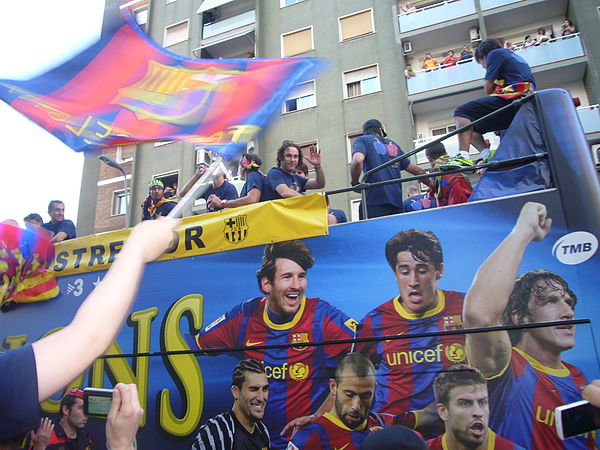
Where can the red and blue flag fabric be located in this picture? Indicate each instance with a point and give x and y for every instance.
(24, 254)
(126, 89)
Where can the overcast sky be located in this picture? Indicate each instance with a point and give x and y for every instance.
(35, 167)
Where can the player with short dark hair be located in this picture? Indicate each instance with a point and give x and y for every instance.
(350, 419)
(242, 427)
(406, 367)
(462, 403)
(449, 189)
(527, 377)
(283, 316)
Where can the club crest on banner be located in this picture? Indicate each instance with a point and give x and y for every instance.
(453, 322)
(236, 229)
(298, 338)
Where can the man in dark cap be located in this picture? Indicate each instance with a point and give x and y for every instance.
(370, 150)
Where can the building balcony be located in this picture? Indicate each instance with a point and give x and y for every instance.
(589, 116)
(541, 58)
(228, 28)
(435, 14)
(492, 4)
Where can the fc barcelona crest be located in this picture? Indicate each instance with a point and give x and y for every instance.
(236, 229)
(453, 322)
(298, 338)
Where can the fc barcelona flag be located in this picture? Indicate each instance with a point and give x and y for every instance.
(125, 89)
(23, 258)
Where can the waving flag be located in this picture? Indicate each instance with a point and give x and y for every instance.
(125, 89)
(23, 258)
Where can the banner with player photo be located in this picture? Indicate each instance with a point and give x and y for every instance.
(354, 290)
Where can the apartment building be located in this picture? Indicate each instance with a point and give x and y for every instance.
(367, 45)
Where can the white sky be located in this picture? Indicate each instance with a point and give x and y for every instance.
(35, 167)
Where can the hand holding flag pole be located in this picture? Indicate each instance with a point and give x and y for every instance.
(215, 168)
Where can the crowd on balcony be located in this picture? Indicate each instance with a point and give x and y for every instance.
(432, 62)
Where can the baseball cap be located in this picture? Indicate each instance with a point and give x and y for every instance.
(75, 393)
(373, 123)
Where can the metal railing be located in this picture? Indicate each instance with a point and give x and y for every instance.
(363, 186)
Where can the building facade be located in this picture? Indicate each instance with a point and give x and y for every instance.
(368, 45)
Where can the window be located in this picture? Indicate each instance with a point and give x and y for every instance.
(443, 130)
(120, 199)
(141, 16)
(301, 97)
(177, 33)
(125, 154)
(356, 25)
(361, 82)
(350, 138)
(354, 210)
(297, 42)
(284, 3)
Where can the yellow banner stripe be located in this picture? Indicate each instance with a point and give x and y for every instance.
(229, 229)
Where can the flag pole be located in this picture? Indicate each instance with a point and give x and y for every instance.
(215, 168)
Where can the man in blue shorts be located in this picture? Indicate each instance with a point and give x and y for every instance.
(371, 150)
(507, 77)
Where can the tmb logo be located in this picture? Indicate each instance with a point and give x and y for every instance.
(575, 248)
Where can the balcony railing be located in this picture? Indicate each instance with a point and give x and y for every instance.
(555, 50)
(590, 118)
(223, 26)
(491, 4)
(430, 15)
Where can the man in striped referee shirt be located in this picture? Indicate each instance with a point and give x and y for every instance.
(241, 428)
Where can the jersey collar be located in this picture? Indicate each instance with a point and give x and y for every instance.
(287, 325)
(402, 312)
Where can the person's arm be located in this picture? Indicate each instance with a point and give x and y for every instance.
(285, 191)
(62, 356)
(123, 418)
(591, 393)
(488, 295)
(253, 196)
(314, 158)
(59, 237)
(412, 168)
(489, 86)
(185, 189)
(356, 167)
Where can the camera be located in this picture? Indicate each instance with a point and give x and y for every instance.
(576, 418)
(97, 402)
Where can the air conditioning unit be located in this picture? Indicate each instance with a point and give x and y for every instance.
(407, 47)
(474, 34)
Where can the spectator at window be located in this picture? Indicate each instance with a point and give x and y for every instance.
(542, 37)
(567, 28)
(509, 45)
(450, 60)
(465, 55)
(528, 42)
(429, 63)
(409, 72)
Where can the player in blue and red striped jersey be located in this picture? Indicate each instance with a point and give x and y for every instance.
(350, 419)
(406, 367)
(530, 380)
(298, 375)
(462, 402)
